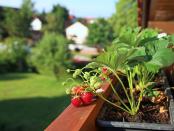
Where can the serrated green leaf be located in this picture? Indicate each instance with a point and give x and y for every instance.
(162, 58)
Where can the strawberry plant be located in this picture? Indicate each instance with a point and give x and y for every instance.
(137, 55)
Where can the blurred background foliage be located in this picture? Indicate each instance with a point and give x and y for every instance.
(17, 23)
(18, 53)
(49, 54)
(56, 19)
(100, 33)
(13, 54)
(126, 15)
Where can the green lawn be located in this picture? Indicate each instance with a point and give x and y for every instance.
(29, 102)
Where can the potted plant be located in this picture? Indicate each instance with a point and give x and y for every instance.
(134, 59)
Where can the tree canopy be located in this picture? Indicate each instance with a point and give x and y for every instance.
(56, 19)
(17, 21)
(125, 15)
(100, 32)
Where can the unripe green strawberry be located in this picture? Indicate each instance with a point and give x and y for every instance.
(97, 85)
(93, 80)
(76, 73)
(86, 75)
(68, 91)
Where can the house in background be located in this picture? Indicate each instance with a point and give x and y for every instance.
(36, 28)
(77, 32)
(82, 54)
(36, 24)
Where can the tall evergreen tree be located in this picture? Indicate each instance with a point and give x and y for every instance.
(26, 13)
(126, 15)
(17, 21)
(56, 19)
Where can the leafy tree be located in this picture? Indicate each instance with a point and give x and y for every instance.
(26, 13)
(13, 53)
(49, 54)
(100, 33)
(16, 49)
(56, 19)
(11, 22)
(42, 15)
(126, 15)
(17, 22)
(2, 29)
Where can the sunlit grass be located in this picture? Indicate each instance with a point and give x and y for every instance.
(30, 101)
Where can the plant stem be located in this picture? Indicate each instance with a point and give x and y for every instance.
(112, 103)
(129, 77)
(124, 88)
(118, 96)
(139, 101)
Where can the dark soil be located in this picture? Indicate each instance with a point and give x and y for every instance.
(151, 110)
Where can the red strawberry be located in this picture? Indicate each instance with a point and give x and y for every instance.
(77, 90)
(87, 97)
(76, 101)
(102, 78)
(104, 70)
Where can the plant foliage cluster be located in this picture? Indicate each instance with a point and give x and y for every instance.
(136, 54)
(13, 52)
(49, 54)
(125, 15)
(16, 38)
(17, 22)
(100, 33)
(56, 20)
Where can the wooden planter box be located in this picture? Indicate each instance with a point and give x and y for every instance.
(81, 118)
(106, 125)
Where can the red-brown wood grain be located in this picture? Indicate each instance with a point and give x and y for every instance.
(162, 10)
(163, 26)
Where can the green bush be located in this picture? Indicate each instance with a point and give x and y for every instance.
(13, 52)
(16, 49)
(49, 54)
(100, 32)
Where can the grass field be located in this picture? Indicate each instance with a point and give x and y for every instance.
(29, 102)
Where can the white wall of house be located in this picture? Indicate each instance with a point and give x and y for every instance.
(77, 32)
(36, 24)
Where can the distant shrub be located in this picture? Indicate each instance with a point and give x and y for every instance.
(49, 54)
(13, 52)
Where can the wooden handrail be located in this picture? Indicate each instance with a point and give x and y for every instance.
(164, 26)
(81, 118)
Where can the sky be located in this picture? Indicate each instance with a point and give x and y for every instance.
(79, 8)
